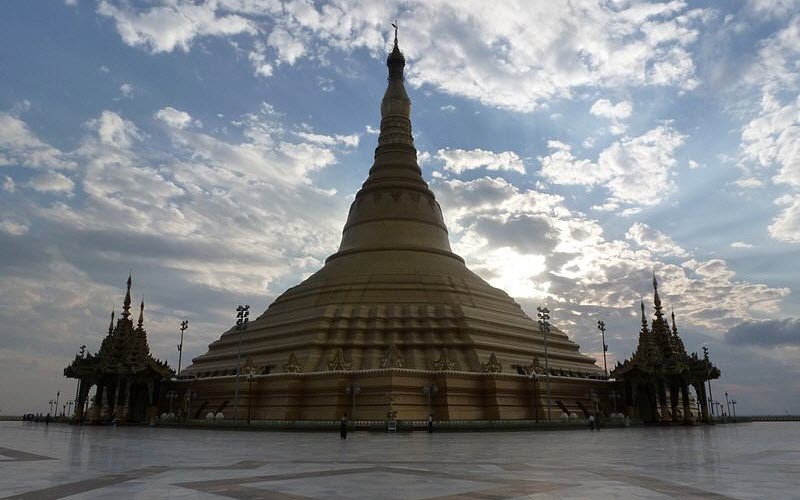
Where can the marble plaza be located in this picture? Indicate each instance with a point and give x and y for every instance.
(758, 460)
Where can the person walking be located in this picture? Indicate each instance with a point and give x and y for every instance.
(591, 421)
(430, 423)
(343, 427)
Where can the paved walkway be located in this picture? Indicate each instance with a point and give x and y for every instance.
(758, 460)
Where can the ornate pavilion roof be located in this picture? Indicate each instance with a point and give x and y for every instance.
(661, 351)
(124, 350)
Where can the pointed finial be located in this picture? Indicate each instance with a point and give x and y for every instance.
(111, 325)
(126, 306)
(394, 24)
(656, 298)
(674, 327)
(141, 314)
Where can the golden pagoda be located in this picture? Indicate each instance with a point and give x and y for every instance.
(393, 322)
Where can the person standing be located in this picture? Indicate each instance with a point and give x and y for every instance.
(591, 421)
(430, 423)
(343, 427)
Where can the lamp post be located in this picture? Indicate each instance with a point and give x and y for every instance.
(187, 399)
(544, 324)
(242, 318)
(184, 326)
(614, 395)
(429, 390)
(171, 395)
(602, 327)
(51, 406)
(81, 354)
(728, 403)
(58, 395)
(354, 390)
(733, 402)
(63, 410)
(710, 396)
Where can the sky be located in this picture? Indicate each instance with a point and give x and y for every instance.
(212, 148)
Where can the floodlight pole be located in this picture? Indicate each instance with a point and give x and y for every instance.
(544, 324)
(184, 326)
(602, 327)
(242, 318)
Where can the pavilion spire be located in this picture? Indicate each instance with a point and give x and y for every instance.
(674, 327)
(140, 324)
(126, 306)
(111, 324)
(657, 299)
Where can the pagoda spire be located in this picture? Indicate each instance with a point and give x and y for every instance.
(111, 324)
(140, 324)
(126, 306)
(395, 210)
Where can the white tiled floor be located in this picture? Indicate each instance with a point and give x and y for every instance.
(759, 460)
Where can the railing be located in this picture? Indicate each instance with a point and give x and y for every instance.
(402, 425)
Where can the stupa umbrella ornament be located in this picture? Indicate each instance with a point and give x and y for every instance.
(544, 323)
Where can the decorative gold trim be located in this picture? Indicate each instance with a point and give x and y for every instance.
(492, 366)
(292, 365)
(393, 358)
(338, 362)
(445, 362)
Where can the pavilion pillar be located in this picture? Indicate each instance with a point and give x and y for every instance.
(687, 410)
(662, 400)
(673, 401)
(700, 390)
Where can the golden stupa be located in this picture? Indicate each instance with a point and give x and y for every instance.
(394, 322)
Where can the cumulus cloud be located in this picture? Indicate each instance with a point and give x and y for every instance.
(617, 113)
(635, 170)
(51, 182)
(173, 25)
(498, 54)
(21, 146)
(741, 244)
(654, 240)
(127, 90)
(176, 118)
(459, 160)
(573, 265)
(13, 228)
(768, 333)
(786, 225)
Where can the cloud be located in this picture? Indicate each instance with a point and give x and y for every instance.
(13, 228)
(786, 225)
(571, 264)
(175, 25)
(768, 333)
(605, 109)
(654, 240)
(497, 54)
(459, 160)
(635, 170)
(20, 146)
(113, 130)
(9, 186)
(51, 182)
(741, 244)
(127, 90)
(176, 118)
